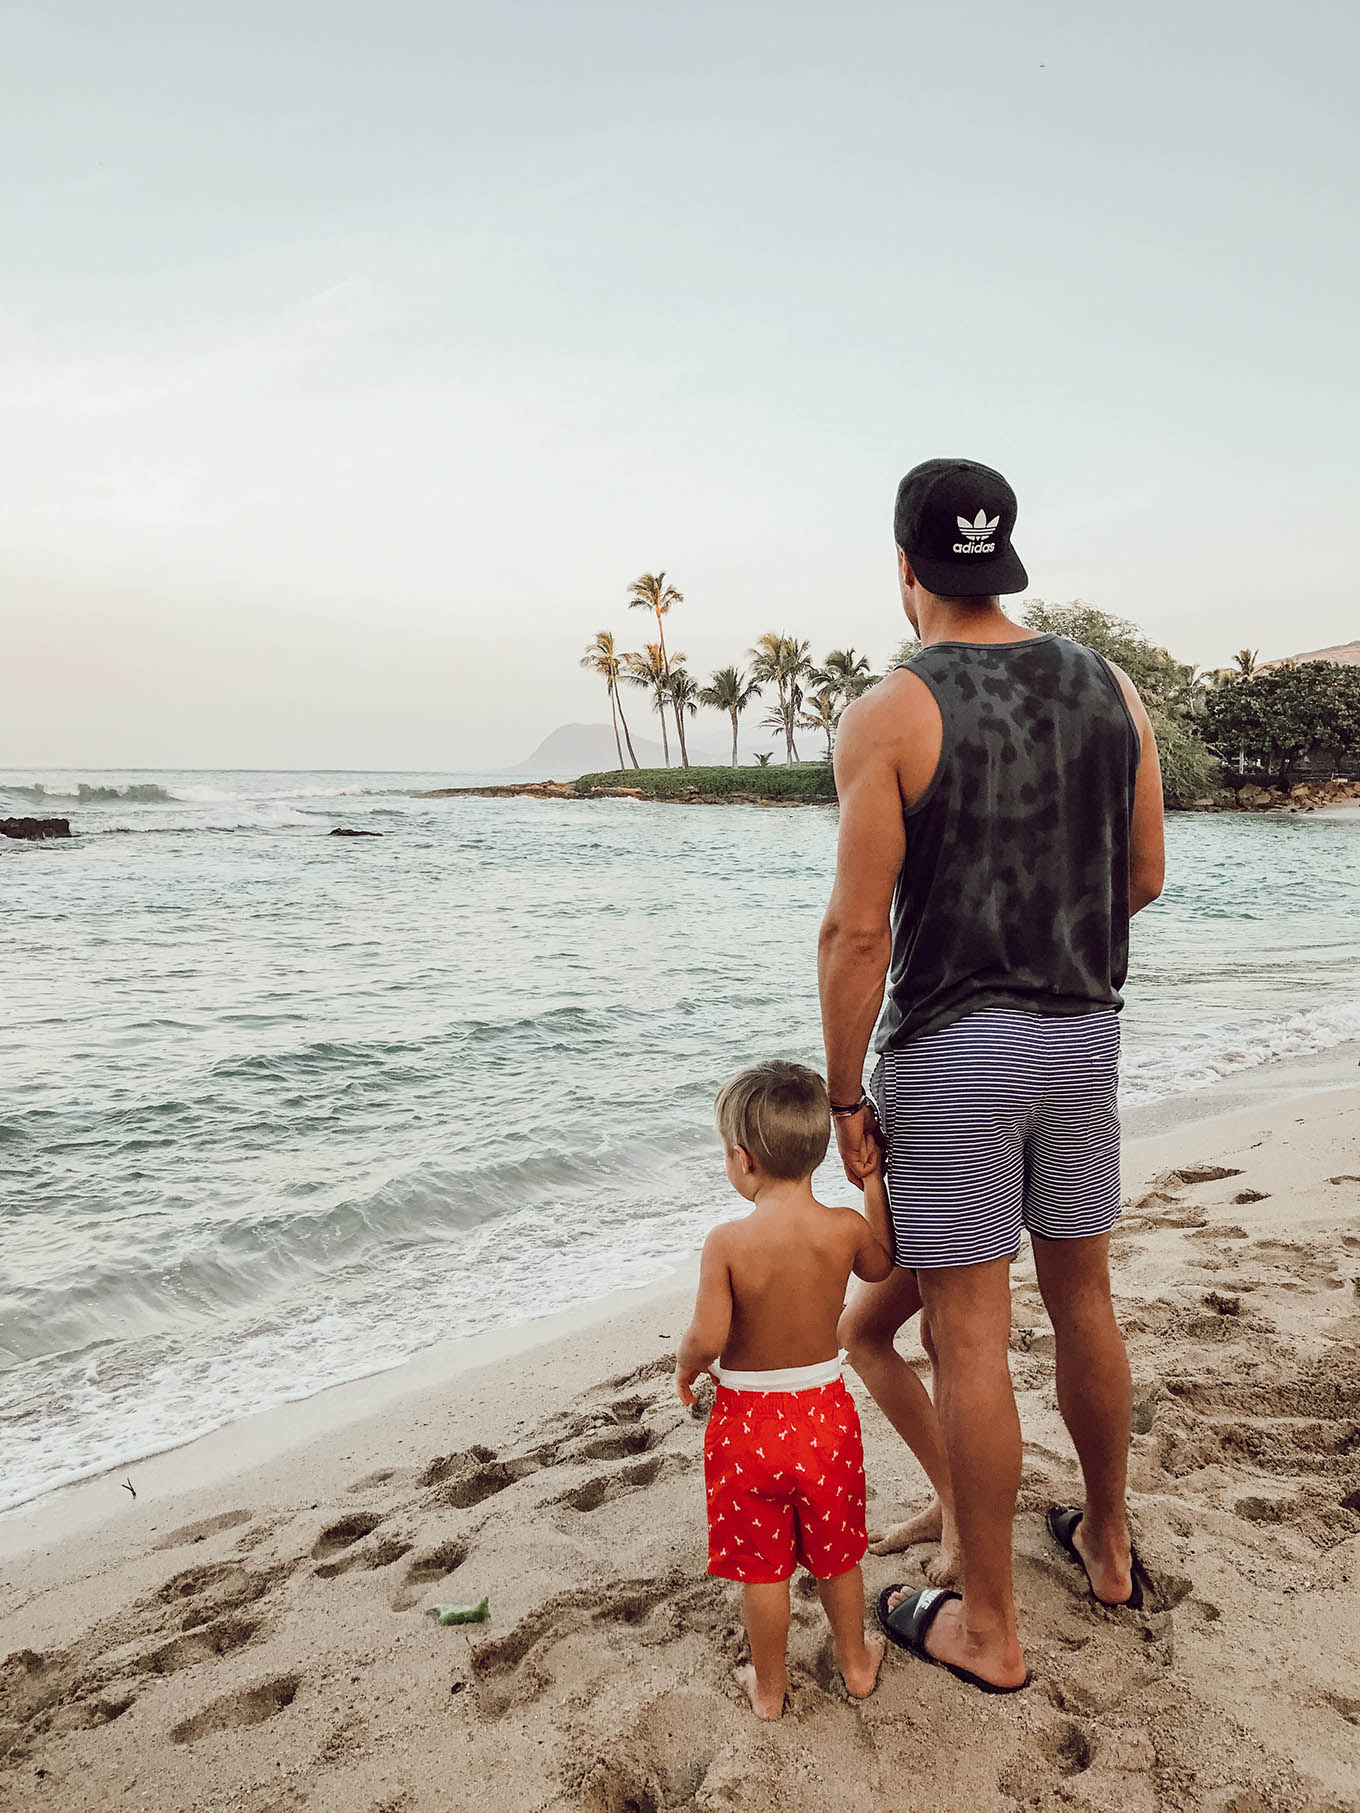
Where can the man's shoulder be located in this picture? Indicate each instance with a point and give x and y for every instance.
(886, 709)
(888, 726)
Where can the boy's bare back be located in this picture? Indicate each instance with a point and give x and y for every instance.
(787, 1269)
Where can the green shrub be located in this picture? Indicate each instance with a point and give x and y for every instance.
(1288, 714)
(1190, 769)
(804, 780)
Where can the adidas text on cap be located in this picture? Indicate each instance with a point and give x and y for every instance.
(953, 522)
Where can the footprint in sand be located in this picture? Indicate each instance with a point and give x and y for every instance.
(1344, 1705)
(206, 1644)
(611, 1444)
(465, 1478)
(380, 1554)
(246, 1706)
(510, 1668)
(383, 1477)
(423, 1571)
(1193, 1174)
(214, 1588)
(340, 1535)
(606, 1487)
(208, 1526)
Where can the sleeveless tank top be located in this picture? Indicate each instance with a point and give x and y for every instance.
(1015, 887)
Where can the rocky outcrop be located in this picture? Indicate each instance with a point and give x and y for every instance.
(1309, 795)
(344, 831)
(35, 827)
(1305, 796)
(520, 790)
(678, 796)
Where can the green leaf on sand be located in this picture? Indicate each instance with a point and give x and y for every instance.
(461, 1614)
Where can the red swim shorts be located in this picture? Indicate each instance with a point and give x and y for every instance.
(785, 1478)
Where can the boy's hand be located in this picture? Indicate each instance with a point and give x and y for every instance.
(684, 1382)
(860, 1139)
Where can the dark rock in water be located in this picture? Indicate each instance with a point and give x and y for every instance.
(344, 831)
(35, 827)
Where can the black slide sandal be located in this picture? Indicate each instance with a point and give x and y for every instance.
(1062, 1521)
(907, 1623)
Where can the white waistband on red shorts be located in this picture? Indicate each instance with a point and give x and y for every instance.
(786, 1378)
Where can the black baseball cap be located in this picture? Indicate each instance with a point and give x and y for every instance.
(953, 521)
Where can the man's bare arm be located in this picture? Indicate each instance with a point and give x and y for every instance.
(1147, 845)
(856, 938)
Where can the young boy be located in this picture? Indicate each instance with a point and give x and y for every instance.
(783, 1462)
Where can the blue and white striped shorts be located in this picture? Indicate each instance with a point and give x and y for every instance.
(1004, 1120)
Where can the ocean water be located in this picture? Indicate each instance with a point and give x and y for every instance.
(278, 1109)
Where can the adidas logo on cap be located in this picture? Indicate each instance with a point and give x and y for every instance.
(977, 533)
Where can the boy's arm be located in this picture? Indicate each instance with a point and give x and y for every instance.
(707, 1333)
(874, 1260)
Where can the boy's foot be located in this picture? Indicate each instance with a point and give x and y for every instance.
(765, 1704)
(861, 1680)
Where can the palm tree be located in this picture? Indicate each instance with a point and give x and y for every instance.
(784, 719)
(684, 694)
(845, 674)
(650, 671)
(1245, 661)
(782, 661)
(822, 713)
(602, 659)
(730, 691)
(650, 592)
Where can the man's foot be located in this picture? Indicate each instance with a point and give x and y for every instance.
(924, 1528)
(931, 1525)
(861, 1677)
(945, 1567)
(766, 1703)
(1108, 1560)
(991, 1658)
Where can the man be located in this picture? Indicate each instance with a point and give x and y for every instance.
(1001, 819)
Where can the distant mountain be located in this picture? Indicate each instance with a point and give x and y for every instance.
(1348, 653)
(574, 749)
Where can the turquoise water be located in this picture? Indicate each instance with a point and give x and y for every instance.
(281, 1109)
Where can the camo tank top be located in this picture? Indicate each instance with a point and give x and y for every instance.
(1015, 887)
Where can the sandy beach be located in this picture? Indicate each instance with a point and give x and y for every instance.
(248, 1632)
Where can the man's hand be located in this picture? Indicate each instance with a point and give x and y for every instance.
(684, 1382)
(861, 1143)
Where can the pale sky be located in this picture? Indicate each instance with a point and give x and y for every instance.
(355, 357)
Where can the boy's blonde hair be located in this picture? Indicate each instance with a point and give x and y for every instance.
(780, 1113)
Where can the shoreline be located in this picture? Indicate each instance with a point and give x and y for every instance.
(1320, 800)
(685, 796)
(259, 1440)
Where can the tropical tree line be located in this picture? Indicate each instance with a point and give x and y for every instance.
(797, 692)
(1238, 720)
(1269, 720)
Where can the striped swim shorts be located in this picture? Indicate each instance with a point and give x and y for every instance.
(1004, 1120)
